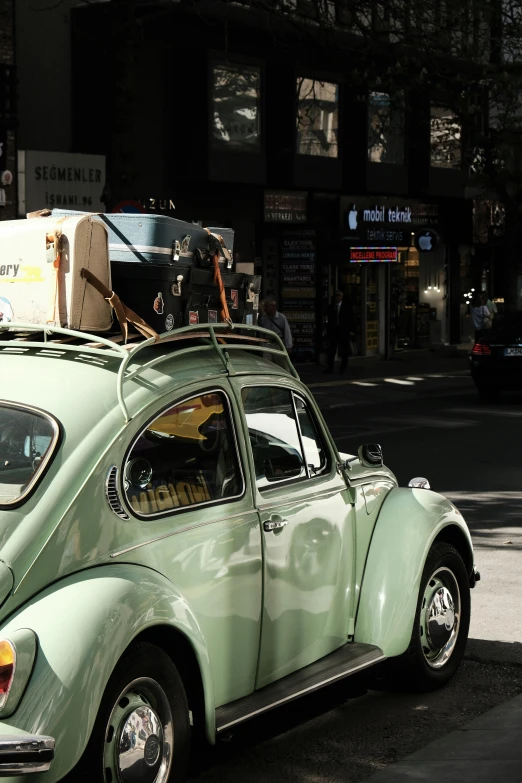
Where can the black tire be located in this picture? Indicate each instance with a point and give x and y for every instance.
(420, 668)
(487, 394)
(144, 681)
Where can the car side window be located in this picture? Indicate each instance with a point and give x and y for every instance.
(315, 452)
(274, 435)
(184, 457)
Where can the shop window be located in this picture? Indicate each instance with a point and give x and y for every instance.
(385, 129)
(445, 138)
(235, 107)
(317, 118)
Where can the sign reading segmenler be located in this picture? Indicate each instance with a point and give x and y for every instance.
(60, 179)
(378, 255)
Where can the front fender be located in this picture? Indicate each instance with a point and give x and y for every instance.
(409, 522)
(84, 623)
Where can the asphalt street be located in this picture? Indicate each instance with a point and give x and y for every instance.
(432, 426)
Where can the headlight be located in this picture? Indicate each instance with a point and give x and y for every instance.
(419, 483)
(7, 669)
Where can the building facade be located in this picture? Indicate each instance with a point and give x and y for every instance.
(8, 115)
(227, 129)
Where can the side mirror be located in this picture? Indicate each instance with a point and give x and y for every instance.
(370, 454)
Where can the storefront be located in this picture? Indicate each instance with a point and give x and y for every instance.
(290, 267)
(391, 266)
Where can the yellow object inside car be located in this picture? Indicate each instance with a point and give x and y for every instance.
(186, 421)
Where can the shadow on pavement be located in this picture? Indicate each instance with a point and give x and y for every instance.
(332, 738)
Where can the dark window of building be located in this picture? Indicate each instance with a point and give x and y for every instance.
(445, 138)
(317, 118)
(235, 107)
(385, 129)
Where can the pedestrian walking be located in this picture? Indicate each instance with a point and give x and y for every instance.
(480, 315)
(272, 319)
(340, 330)
(493, 309)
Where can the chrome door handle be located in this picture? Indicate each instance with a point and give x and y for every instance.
(276, 523)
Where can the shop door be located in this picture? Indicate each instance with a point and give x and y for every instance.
(372, 309)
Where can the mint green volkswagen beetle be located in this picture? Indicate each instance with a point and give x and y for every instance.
(183, 548)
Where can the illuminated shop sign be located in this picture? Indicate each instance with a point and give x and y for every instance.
(378, 255)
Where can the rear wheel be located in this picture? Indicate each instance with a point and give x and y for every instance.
(142, 732)
(441, 625)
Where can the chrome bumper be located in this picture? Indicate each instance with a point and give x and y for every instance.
(25, 754)
(475, 577)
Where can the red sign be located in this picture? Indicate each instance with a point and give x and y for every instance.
(128, 206)
(378, 255)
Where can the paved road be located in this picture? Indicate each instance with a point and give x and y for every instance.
(471, 453)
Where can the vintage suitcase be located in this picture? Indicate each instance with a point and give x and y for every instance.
(156, 292)
(160, 239)
(242, 296)
(169, 296)
(40, 272)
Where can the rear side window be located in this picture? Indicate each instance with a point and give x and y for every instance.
(184, 457)
(27, 442)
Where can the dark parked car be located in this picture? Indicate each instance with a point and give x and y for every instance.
(496, 360)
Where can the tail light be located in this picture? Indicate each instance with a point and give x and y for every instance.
(7, 669)
(481, 350)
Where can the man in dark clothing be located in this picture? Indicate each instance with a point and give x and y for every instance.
(340, 330)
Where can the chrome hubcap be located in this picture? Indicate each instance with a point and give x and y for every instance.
(139, 736)
(440, 618)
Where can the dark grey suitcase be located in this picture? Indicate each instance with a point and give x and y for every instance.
(168, 296)
(156, 292)
(241, 292)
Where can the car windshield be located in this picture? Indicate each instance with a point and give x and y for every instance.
(27, 442)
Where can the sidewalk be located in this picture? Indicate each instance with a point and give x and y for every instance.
(402, 364)
(486, 750)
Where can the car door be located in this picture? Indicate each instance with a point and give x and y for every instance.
(187, 491)
(307, 525)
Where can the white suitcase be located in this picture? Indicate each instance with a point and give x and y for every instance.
(40, 264)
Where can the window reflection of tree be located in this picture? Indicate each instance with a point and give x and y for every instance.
(317, 118)
(236, 106)
(385, 129)
(446, 138)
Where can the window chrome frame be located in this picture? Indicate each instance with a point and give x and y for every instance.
(273, 485)
(180, 509)
(327, 464)
(51, 451)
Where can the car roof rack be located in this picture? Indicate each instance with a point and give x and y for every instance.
(219, 335)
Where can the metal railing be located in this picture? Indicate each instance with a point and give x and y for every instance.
(219, 336)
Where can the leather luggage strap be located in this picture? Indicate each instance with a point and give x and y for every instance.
(218, 280)
(124, 314)
(55, 238)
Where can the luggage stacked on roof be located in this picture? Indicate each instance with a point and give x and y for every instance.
(72, 268)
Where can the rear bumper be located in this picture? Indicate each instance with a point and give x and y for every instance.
(25, 754)
(496, 375)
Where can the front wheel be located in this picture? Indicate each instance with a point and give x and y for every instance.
(142, 732)
(441, 625)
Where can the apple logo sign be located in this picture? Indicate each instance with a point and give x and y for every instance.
(352, 218)
(425, 242)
